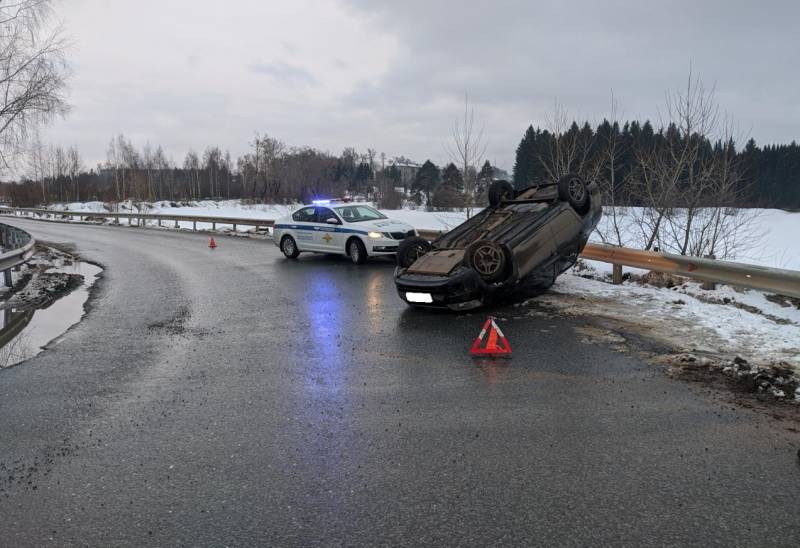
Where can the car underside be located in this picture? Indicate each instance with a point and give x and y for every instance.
(518, 245)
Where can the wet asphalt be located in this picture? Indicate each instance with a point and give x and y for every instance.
(230, 397)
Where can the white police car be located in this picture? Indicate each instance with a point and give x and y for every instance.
(356, 230)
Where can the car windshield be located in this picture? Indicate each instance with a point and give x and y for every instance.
(356, 213)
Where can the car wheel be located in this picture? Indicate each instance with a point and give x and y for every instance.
(572, 189)
(489, 259)
(289, 247)
(410, 250)
(500, 191)
(357, 251)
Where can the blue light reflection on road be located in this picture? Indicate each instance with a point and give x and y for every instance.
(324, 309)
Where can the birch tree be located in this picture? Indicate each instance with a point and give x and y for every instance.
(33, 74)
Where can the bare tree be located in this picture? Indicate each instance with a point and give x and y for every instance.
(610, 150)
(570, 148)
(677, 173)
(191, 164)
(33, 73)
(58, 167)
(467, 151)
(74, 168)
(268, 152)
(36, 165)
(161, 167)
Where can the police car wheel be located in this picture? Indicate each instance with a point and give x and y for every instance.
(357, 251)
(289, 247)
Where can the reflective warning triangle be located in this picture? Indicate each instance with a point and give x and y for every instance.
(491, 348)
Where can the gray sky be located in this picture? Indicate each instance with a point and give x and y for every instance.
(392, 75)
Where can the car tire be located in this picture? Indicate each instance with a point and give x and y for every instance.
(500, 191)
(357, 251)
(410, 250)
(489, 259)
(573, 190)
(289, 247)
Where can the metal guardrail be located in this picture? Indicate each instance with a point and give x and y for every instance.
(21, 246)
(139, 217)
(774, 280)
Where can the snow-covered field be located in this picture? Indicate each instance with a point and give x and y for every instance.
(725, 321)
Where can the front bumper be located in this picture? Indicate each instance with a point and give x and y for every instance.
(381, 246)
(461, 290)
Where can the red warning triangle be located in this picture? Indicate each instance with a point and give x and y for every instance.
(211, 243)
(491, 348)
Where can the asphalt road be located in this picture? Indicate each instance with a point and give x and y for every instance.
(232, 397)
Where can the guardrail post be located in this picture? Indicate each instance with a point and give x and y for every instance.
(194, 225)
(176, 224)
(9, 281)
(234, 227)
(709, 286)
(213, 226)
(616, 274)
(159, 222)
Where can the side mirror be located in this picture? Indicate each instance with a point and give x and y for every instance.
(332, 221)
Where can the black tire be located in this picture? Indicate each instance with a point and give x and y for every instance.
(500, 191)
(410, 250)
(489, 259)
(357, 251)
(572, 189)
(289, 247)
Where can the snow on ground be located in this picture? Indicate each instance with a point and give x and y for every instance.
(724, 322)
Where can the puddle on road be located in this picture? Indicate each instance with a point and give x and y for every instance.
(25, 333)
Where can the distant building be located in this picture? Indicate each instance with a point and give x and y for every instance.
(500, 174)
(408, 170)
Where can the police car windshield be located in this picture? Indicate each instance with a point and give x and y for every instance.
(356, 213)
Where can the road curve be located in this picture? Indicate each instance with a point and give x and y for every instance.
(231, 397)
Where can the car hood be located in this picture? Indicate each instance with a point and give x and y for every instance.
(383, 225)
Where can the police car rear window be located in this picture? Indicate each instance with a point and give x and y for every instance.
(305, 215)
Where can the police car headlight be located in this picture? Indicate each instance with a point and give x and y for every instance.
(374, 234)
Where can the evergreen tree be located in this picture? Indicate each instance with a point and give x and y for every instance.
(427, 180)
(451, 177)
(526, 160)
(485, 177)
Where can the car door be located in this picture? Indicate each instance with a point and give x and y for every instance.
(302, 228)
(326, 236)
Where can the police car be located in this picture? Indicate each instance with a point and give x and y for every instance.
(356, 230)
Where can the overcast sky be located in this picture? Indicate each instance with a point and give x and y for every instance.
(392, 75)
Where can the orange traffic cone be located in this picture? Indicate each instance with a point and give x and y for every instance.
(211, 243)
(491, 348)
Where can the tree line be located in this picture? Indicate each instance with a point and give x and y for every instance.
(618, 154)
(270, 172)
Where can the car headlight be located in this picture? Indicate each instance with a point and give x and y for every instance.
(374, 234)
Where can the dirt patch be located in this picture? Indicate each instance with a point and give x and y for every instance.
(772, 387)
(786, 302)
(659, 279)
(35, 287)
(176, 325)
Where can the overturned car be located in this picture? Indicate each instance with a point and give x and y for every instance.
(521, 242)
